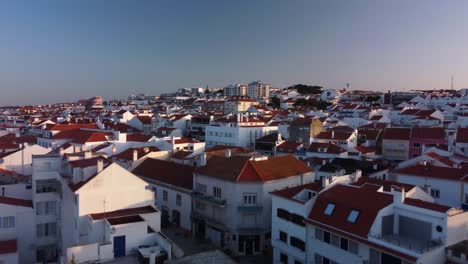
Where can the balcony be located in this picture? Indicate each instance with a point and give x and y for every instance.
(209, 199)
(250, 208)
(409, 243)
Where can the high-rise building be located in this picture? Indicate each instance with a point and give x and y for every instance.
(258, 90)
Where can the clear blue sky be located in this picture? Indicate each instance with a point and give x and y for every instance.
(52, 51)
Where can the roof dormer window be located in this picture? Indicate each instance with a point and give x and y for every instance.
(329, 209)
(353, 216)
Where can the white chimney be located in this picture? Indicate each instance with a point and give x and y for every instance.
(324, 162)
(87, 154)
(61, 151)
(203, 159)
(227, 152)
(279, 137)
(100, 165)
(211, 119)
(398, 195)
(135, 155)
(333, 134)
(325, 181)
(17, 134)
(114, 149)
(172, 143)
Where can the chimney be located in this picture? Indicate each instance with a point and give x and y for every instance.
(100, 165)
(17, 134)
(135, 155)
(333, 134)
(114, 149)
(203, 159)
(87, 154)
(398, 195)
(325, 181)
(227, 152)
(375, 166)
(61, 151)
(172, 143)
(324, 162)
(279, 137)
(211, 119)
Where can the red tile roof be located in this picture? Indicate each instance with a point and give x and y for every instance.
(454, 174)
(335, 135)
(167, 172)
(139, 137)
(289, 193)
(15, 201)
(288, 146)
(427, 205)
(244, 169)
(427, 133)
(346, 198)
(125, 220)
(83, 163)
(124, 212)
(462, 135)
(397, 133)
(8, 247)
(128, 153)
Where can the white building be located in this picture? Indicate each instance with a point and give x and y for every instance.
(172, 185)
(90, 209)
(258, 90)
(16, 230)
(380, 223)
(232, 200)
(239, 130)
(235, 90)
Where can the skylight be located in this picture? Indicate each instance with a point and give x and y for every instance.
(353, 216)
(329, 209)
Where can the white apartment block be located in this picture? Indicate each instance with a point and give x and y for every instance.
(235, 90)
(232, 200)
(258, 90)
(91, 209)
(240, 130)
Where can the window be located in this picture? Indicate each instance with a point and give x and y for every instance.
(297, 219)
(47, 229)
(417, 145)
(268, 236)
(319, 234)
(281, 213)
(250, 199)
(297, 243)
(8, 221)
(353, 216)
(217, 192)
(344, 243)
(201, 188)
(165, 195)
(46, 186)
(335, 240)
(46, 208)
(435, 193)
(326, 237)
(353, 247)
(283, 236)
(329, 209)
(283, 258)
(178, 200)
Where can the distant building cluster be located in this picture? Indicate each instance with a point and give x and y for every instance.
(296, 175)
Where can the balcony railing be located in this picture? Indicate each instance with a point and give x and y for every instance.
(249, 208)
(210, 199)
(409, 243)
